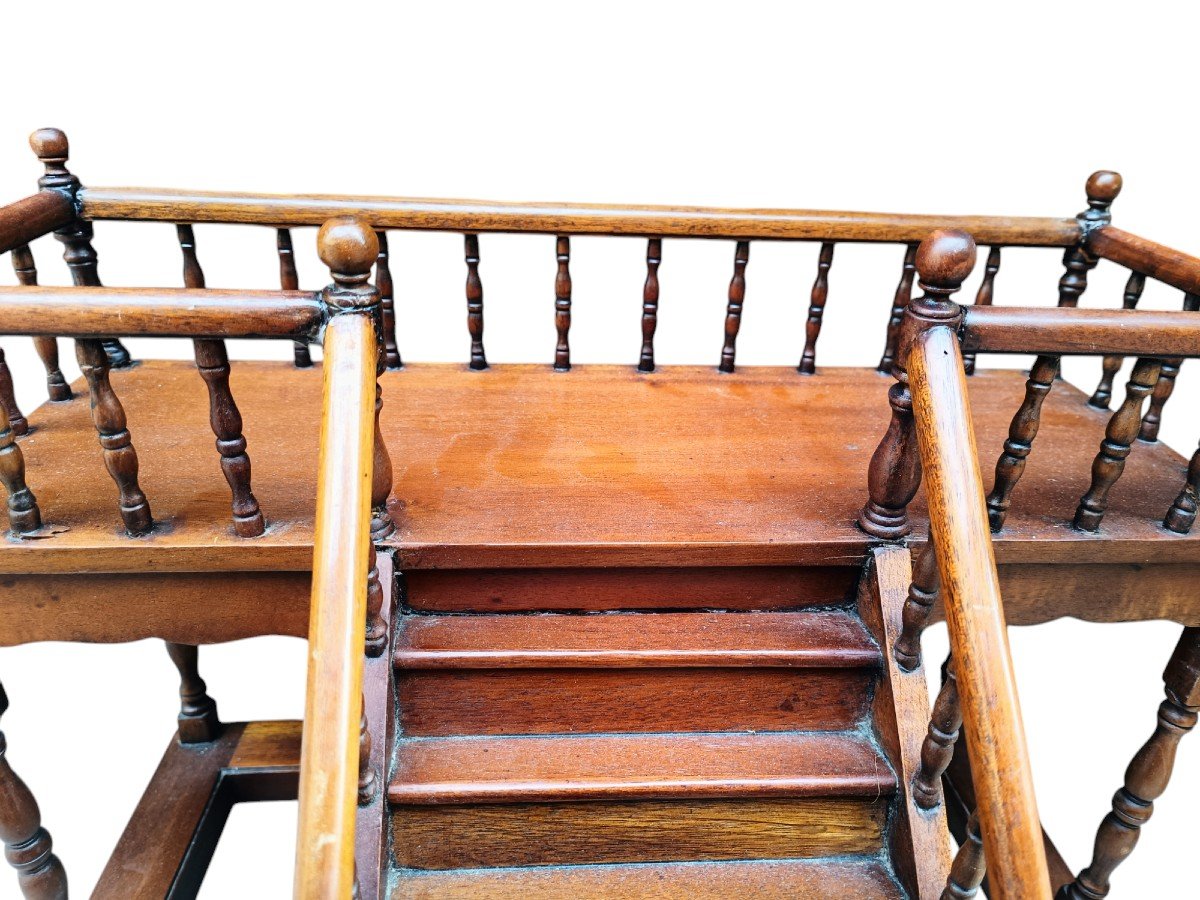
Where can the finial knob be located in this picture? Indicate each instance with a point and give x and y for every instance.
(945, 259)
(1102, 188)
(50, 145)
(348, 246)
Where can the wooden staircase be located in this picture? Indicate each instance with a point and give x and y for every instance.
(620, 753)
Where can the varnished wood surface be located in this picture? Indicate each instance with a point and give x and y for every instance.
(162, 205)
(767, 482)
(32, 217)
(1163, 263)
(863, 879)
(1062, 332)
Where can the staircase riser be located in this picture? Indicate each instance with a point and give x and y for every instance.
(545, 834)
(564, 701)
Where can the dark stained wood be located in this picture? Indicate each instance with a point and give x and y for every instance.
(984, 296)
(562, 304)
(899, 304)
(650, 304)
(966, 875)
(474, 301)
(1019, 443)
(816, 310)
(387, 301)
(198, 721)
(922, 594)
(938, 747)
(34, 216)
(1112, 363)
(47, 347)
(24, 516)
(1169, 266)
(27, 845)
(733, 312)
(1061, 332)
(289, 280)
(17, 422)
(382, 523)
(1118, 438)
(1183, 510)
(1166, 384)
(1077, 262)
(150, 204)
(377, 635)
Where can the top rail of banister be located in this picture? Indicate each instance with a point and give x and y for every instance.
(32, 217)
(160, 205)
(1058, 331)
(1169, 266)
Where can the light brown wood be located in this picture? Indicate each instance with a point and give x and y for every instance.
(1163, 263)
(975, 617)
(333, 702)
(1092, 332)
(646, 221)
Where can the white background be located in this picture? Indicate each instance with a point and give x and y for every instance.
(917, 108)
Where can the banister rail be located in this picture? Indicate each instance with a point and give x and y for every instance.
(32, 217)
(150, 204)
(1169, 266)
(1063, 332)
(1007, 808)
(86, 312)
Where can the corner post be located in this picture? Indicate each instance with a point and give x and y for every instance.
(1102, 189)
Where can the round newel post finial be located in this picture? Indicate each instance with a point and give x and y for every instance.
(50, 145)
(945, 260)
(1102, 189)
(349, 247)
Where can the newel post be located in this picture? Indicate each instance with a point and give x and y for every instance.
(1102, 189)
(944, 260)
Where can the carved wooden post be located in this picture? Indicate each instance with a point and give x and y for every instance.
(937, 751)
(1021, 432)
(198, 721)
(816, 310)
(1166, 384)
(1182, 513)
(51, 147)
(367, 782)
(27, 845)
(47, 347)
(474, 301)
(562, 304)
(289, 280)
(1102, 189)
(733, 313)
(899, 304)
(969, 867)
(24, 517)
(381, 473)
(1148, 774)
(650, 304)
(376, 638)
(922, 594)
(944, 260)
(17, 422)
(1112, 364)
(387, 301)
(212, 361)
(1118, 438)
(983, 297)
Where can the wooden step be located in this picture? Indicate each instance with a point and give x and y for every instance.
(861, 879)
(633, 672)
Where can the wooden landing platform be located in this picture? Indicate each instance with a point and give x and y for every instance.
(521, 466)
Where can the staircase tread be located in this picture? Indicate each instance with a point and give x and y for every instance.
(860, 878)
(642, 766)
(830, 639)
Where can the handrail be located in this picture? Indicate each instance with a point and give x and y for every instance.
(161, 205)
(1000, 769)
(337, 620)
(1169, 266)
(1065, 331)
(89, 312)
(32, 217)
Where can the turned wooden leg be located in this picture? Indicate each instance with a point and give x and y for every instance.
(376, 638)
(8, 400)
(969, 867)
(922, 594)
(27, 845)
(198, 721)
(366, 775)
(937, 751)
(895, 471)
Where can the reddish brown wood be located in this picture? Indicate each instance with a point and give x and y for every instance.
(1152, 421)
(382, 524)
(289, 280)
(387, 301)
(1183, 510)
(27, 845)
(899, 304)
(1112, 363)
(1088, 332)
(816, 310)
(938, 748)
(922, 594)
(562, 304)
(983, 296)
(376, 639)
(733, 313)
(34, 216)
(368, 783)
(24, 517)
(17, 422)
(198, 720)
(1162, 263)
(46, 346)
(970, 866)
(650, 304)
(474, 301)
(1021, 433)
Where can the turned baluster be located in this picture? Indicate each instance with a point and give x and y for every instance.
(366, 772)
(937, 751)
(212, 361)
(899, 304)
(922, 594)
(1152, 421)
(816, 310)
(1148, 774)
(1182, 513)
(1118, 438)
(983, 297)
(969, 867)
(27, 845)
(1021, 432)
(1102, 189)
(198, 721)
(51, 147)
(387, 301)
(381, 471)
(47, 347)
(376, 638)
(289, 280)
(17, 422)
(474, 301)
(944, 260)
(24, 516)
(650, 304)
(1112, 364)
(733, 313)
(562, 304)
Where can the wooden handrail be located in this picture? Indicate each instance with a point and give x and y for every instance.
(1169, 266)
(337, 619)
(159, 312)
(1007, 808)
(1062, 332)
(162, 205)
(36, 215)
